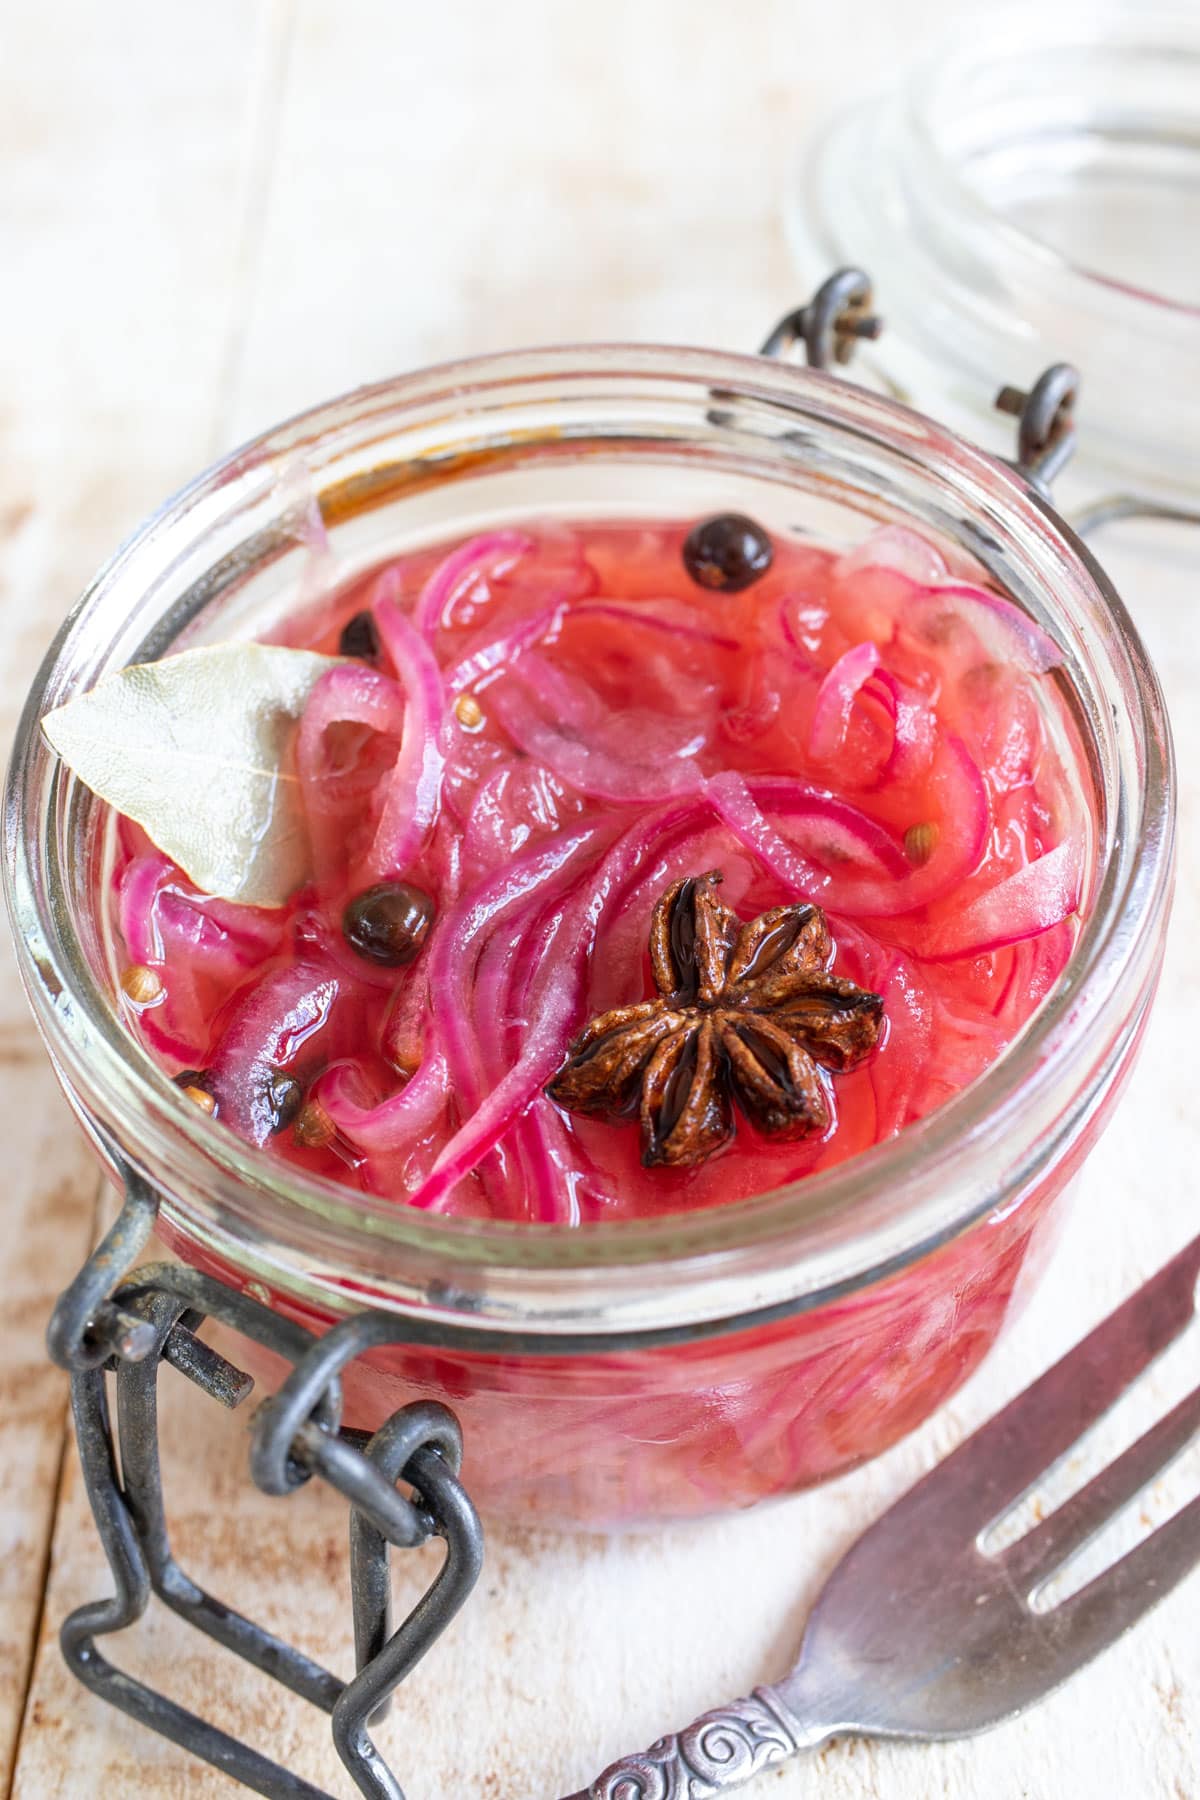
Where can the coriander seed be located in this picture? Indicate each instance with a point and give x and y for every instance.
(920, 841)
(314, 1128)
(142, 985)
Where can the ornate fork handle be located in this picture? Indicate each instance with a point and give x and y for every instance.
(721, 1750)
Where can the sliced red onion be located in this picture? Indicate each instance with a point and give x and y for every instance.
(458, 938)
(896, 547)
(554, 1004)
(487, 554)
(541, 1055)
(835, 700)
(562, 695)
(492, 652)
(591, 771)
(841, 842)
(350, 695)
(137, 892)
(914, 731)
(962, 816)
(414, 785)
(510, 971)
(391, 1124)
(672, 618)
(733, 803)
(794, 613)
(160, 920)
(316, 938)
(550, 1185)
(518, 801)
(1039, 895)
(1003, 631)
(267, 1030)
(581, 750)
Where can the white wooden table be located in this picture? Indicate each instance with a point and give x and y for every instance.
(211, 216)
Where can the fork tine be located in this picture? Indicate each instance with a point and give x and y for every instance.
(1001, 1461)
(1091, 1619)
(1034, 1557)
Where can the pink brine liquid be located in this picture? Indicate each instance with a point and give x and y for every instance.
(529, 737)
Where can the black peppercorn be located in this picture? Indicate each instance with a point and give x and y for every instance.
(389, 923)
(727, 552)
(191, 1078)
(195, 1085)
(285, 1095)
(360, 637)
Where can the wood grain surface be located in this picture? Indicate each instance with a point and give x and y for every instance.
(212, 216)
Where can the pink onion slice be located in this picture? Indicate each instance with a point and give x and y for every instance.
(562, 724)
(553, 1001)
(317, 939)
(1002, 631)
(391, 1124)
(914, 732)
(962, 817)
(672, 618)
(458, 939)
(896, 547)
(800, 622)
(492, 652)
(473, 561)
(541, 1055)
(835, 700)
(414, 785)
(268, 1028)
(137, 893)
(516, 802)
(734, 804)
(349, 695)
(840, 844)
(1036, 897)
(160, 918)
(550, 1183)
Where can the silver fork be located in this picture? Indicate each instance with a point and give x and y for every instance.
(920, 1634)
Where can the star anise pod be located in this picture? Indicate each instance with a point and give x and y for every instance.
(744, 1011)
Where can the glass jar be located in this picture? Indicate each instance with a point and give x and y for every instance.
(1028, 193)
(622, 1373)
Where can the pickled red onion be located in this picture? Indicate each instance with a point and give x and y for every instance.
(268, 1029)
(350, 695)
(492, 550)
(414, 786)
(589, 764)
(877, 740)
(1003, 630)
(1037, 896)
(390, 1124)
(835, 700)
(671, 619)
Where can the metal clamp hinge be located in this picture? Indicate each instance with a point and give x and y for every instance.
(129, 1328)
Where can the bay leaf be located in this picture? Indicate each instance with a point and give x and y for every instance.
(197, 749)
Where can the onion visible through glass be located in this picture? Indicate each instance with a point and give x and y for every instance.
(540, 731)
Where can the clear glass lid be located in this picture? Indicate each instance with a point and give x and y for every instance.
(1030, 193)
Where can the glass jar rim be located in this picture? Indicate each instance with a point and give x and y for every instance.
(936, 89)
(782, 1250)
(975, 298)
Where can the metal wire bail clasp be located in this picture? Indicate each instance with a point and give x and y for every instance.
(120, 1325)
(831, 324)
(1046, 431)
